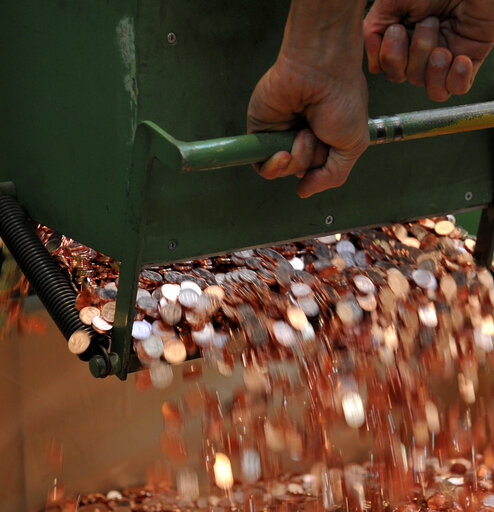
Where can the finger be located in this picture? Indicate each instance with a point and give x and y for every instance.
(437, 73)
(380, 16)
(320, 156)
(393, 55)
(302, 153)
(373, 43)
(272, 168)
(460, 76)
(425, 38)
(333, 174)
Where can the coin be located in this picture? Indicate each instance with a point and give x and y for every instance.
(345, 313)
(423, 278)
(364, 284)
(284, 334)
(300, 290)
(444, 228)
(205, 336)
(141, 329)
(78, 342)
(448, 287)
(191, 285)
(367, 302)
(174, 351)
(87, 314)
(152, 346)
(398, 283)
(171, 313)
(188, 298)
(296, 317)
(100, 324)
(108, 311)
(345, 246)
(412, 242)
(297, 263)
(353, 409)
(161, 375)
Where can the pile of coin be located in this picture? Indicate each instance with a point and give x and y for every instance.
(373, 320)
(446, 487)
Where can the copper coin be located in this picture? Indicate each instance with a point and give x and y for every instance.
(100, 324)
(87, 314)
(398, 283)
(448, 287)
(108, 311)
(79, 341)
(444, 228)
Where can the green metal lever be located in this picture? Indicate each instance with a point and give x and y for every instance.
(249, 149)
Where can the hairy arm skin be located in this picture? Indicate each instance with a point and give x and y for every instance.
(317, 78)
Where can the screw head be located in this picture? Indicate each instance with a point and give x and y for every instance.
(468, 196)
(172, 245)
(171, 38)
(329, 220)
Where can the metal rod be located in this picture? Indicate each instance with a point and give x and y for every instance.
(249, 149)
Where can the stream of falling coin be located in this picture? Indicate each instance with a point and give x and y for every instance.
(373, 321)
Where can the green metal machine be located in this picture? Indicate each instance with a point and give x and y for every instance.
(88, 88)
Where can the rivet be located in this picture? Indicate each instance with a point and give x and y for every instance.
(172, 245)
(329, 220)
(171, 38)
(468, 196)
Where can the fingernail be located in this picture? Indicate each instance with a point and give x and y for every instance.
(394, 31)
(439, 59)
(309, 140)
(461, 67)
(429, 22)
(283, 162)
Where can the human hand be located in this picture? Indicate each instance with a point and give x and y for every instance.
(317, 79)
(336, 111)
(450, 41)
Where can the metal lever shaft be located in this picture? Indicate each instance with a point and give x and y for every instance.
(249, 149)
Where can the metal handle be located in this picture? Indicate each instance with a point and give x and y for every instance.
(249, 149)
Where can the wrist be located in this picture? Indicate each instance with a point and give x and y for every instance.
(323, 33)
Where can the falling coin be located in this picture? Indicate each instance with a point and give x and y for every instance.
(87, 314)
(78, 342)
(174, 351)
(398, 283)
(364, 284)
(444, 228)
(108, 311)
(100, 324)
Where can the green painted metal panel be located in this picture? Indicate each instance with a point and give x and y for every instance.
(68, 109)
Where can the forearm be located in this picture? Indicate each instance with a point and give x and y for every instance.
(323, 32)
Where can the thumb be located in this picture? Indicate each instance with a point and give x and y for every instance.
(332, 174)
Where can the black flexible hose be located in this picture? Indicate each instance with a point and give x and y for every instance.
(43, 273)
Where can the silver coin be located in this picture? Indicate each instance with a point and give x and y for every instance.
(204, 337)
(188, 298)
(161, 375)
(297, 263)
(153, 346)
(170, 291)
(244, 254)
(300, 290)
(141, 292)
(141, 330)
(345, 246)
(364, 284)
(284, 334)
(191, 285)
(423, 278)
(309, 306)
